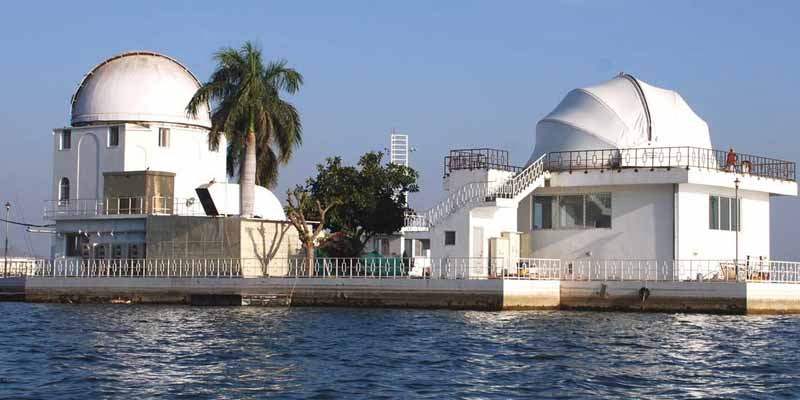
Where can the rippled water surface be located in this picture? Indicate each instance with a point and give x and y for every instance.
(96, 351)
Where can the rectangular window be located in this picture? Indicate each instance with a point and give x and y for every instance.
(713, 212)
(113, 136)
(542, 212)
(65, 140)
(724, 213)
(449, 238)
(598, 210)
(74, 244)
(163, 137)
(570, 211)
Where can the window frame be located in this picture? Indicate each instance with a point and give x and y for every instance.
(109, 136)
(449, 235)
(555, 207)
(734, 213)
(63, 195)
(164, 137)
(65, 140)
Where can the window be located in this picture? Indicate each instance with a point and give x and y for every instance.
(116, 251)
(63, 191)
(65, 140)
(163, 137)
(449, 238)
(542, 212)
(724, 213)
(598, 210)
(75, 243)
(570, 211)
(113, 136)
(99, 251)
(713, 212)
(583, 211)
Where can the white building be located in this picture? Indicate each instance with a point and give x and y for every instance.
(620, 170)
(132, 152)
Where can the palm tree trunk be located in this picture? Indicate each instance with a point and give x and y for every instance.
(247, 182)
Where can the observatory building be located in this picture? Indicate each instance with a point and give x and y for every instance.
(134, 175)
(620, 170)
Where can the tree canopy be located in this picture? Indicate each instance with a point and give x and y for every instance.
(370, 196)
(245, 96)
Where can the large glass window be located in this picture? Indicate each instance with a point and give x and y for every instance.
(724, 213)
(598, 210)
(542, 212)
(570, 211)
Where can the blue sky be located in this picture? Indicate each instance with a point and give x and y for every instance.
(451, 74)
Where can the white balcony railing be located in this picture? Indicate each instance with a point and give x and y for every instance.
(720, 271)
(133, 206)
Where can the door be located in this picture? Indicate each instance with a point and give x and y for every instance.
(477, 264)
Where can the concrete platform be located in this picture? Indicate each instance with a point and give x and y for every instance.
(494, 294)
(487, 294)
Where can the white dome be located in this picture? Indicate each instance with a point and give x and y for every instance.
(621, 113)
(137, 87)
(226, 201)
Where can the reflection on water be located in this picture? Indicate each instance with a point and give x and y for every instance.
(66, 351)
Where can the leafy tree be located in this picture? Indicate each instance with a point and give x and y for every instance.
(371, 198)
(262, 128)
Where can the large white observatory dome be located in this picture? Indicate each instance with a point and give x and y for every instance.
(621, 113)
(137, 87)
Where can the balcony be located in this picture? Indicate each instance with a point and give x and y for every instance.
(669, 157)
(122, 207)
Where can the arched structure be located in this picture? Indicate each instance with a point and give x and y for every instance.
(137, 86)
(623, 112)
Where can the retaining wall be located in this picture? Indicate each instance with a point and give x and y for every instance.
(487, 294)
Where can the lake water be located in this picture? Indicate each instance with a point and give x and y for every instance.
(93, 351)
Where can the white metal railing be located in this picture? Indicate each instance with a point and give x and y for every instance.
(475, 193)
(415, 268)
(154, 205)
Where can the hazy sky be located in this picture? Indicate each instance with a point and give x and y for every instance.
(451, 74)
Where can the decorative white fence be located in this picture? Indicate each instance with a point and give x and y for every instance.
(415, 268)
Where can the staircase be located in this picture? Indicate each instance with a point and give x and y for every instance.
(472, 194)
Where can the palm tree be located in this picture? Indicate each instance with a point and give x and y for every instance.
(262, 128)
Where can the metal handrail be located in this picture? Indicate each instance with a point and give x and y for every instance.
(133, 206)
(645, 270)
(667, 158)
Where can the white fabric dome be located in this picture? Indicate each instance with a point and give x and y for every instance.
(226, 201)
(137, 87)
(621, 113)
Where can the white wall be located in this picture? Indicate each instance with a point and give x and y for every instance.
(84, 162)
(641, 226)
(697, 241)
(89, 156)
(187, 156)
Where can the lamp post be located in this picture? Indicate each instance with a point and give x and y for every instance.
(738, 213)
(5, 252)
